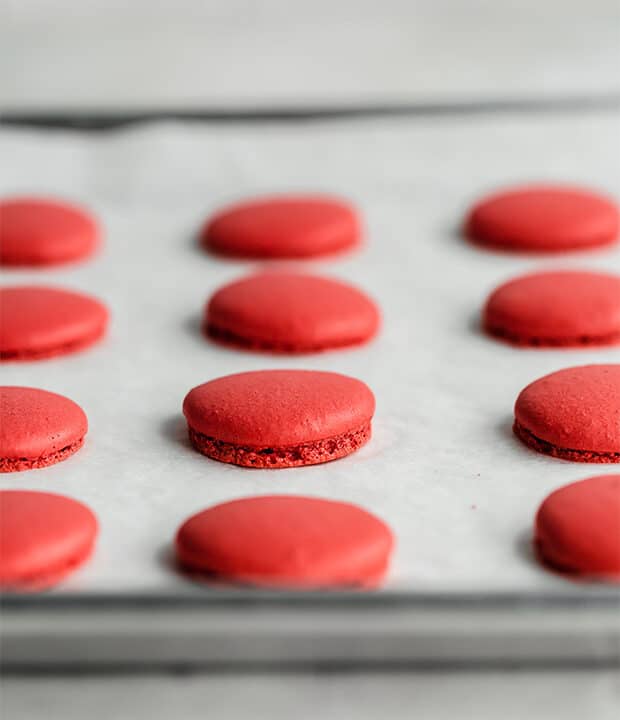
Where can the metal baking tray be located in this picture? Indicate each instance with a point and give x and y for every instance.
(443, 468)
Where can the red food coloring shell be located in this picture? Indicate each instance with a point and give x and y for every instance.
(42, 322)
(290, 313)
(279, 418)
(38, 428)
(556, 309)
(577, 528)
(289, 226)
(43, 538)
(573, 414)
(543, 218)
(286, 541)
(43, 232)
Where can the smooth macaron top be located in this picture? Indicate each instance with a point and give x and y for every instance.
(292, 312)
(40, 321)
(577, 527)
(35, 423)
(43, 537)
(562, 308)
(278, 408)
(576, 408)
(288, 226)
(40, 231)
(544, 218)
(287, 540)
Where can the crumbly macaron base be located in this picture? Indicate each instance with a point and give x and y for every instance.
(8, 465)
(226, 337)
(524, 340)
(547, 448)
(311, 453)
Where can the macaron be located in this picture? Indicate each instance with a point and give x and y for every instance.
(38, 428)
(573, 414)
(42, 322)
(577, 528)
(544, 218)
(286, 541)
(556, 309)
(279, 418)
(43, 538)
(42, 232)
(286, 226)
(290, 312)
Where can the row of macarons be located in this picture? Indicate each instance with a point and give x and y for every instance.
(283, 311)
(293, 542)
(291, 418)
(574, 413)
(296, 312)
(39, 231)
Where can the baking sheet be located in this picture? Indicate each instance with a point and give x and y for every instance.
(442, 468)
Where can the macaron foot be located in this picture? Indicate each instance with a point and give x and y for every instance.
(46, 353)
(310, 453)
(8, 465)
(566, 342)
(547, 448)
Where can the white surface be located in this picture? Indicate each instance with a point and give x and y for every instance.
(443, 468)
(106, 56)
(489, 696)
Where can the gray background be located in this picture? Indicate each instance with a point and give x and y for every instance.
(264, 53)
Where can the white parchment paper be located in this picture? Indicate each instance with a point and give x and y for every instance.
(443, 468)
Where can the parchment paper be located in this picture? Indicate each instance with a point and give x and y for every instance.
(443, 468)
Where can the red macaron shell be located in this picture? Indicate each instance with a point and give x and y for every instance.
(283, 227)
(287, 541)
(290, 313)
(577, 528)
(279, 418)
(573, 414)
(562, 309)
(544, 218)
(38, 428)
(41, 322)
(40, 232)
(43, 538)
